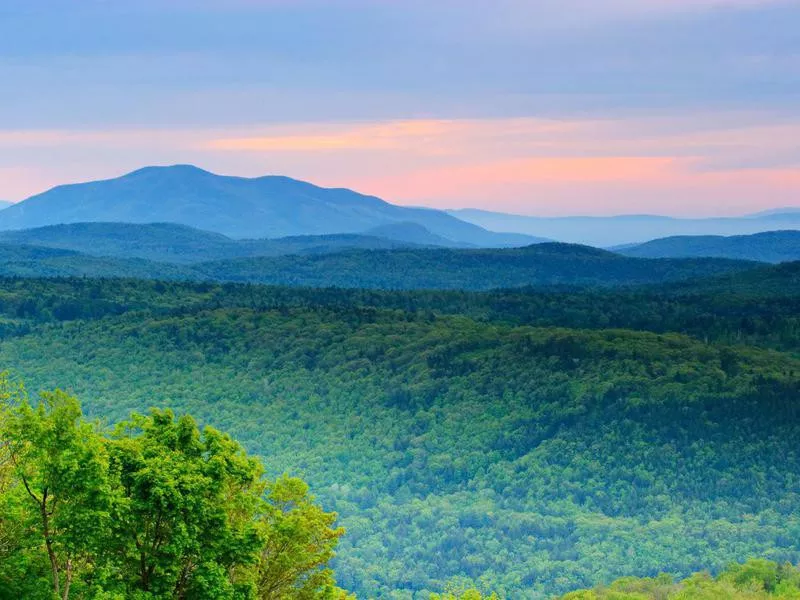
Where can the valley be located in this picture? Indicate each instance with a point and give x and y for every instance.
(420, 300)
(479, 411)
(503, 437)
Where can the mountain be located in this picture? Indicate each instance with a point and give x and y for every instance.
(5, 204)
(412, 233)
(261, 207)
(168, 242)
(784, 210)
(791, 217)
(626, 229)
(771, 246)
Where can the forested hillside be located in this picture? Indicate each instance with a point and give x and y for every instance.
(761, 308)
(170, 243)
(539, 264)
(496, 301)
(455, 440)
(770, 246)
(317, 264)
(754, 580)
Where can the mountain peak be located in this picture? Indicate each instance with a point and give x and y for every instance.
(239, 207)
(180, 169)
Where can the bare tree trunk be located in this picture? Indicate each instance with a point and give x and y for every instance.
(67, 580)
(48, 542)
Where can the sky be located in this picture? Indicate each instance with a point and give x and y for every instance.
(541, 107)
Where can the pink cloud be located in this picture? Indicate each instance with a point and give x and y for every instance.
(701, 164)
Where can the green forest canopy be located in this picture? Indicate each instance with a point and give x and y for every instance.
(158, 509)
(456, 441)
(403, 268)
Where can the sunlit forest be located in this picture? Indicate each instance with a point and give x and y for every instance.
(522, 443)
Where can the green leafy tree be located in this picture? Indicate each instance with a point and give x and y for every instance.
(62, 495)
(158, 510)
(300, 539)
(754, 580)
(10, 526)
(184, 526)
(471, 594)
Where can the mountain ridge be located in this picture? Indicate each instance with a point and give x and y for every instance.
(769, 246)
(627, 229)
(270, 206)
(174, 243)
(408, 268)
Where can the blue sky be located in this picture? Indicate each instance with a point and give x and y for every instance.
(537, 106)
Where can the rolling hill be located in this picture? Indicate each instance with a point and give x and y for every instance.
(771, 246)
(781, 279)
(403, 268)
(536, 265)
(37, 261)
(262, 207)
(413, 233)
(168, 242)
(531, 460)
(627, 229)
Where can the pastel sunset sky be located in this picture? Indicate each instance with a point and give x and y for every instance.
(543, 107)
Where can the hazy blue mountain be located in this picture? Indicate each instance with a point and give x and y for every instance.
(626, 229)
(262, 207)
(785, 216)
(5, 204)
(784, 210)
(418, 234)
(413, 233)
(169, 242)
(771, 246)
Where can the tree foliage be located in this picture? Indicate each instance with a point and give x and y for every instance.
(526, 442)
(753, 580)
(155, 509)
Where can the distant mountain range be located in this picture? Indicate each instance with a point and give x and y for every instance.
(405, 268)
(772, 246)
(785, 210)
(180, 244)
(168, 242)
(185, 215)
(628, 229)
(416, 234)
(262, 207)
